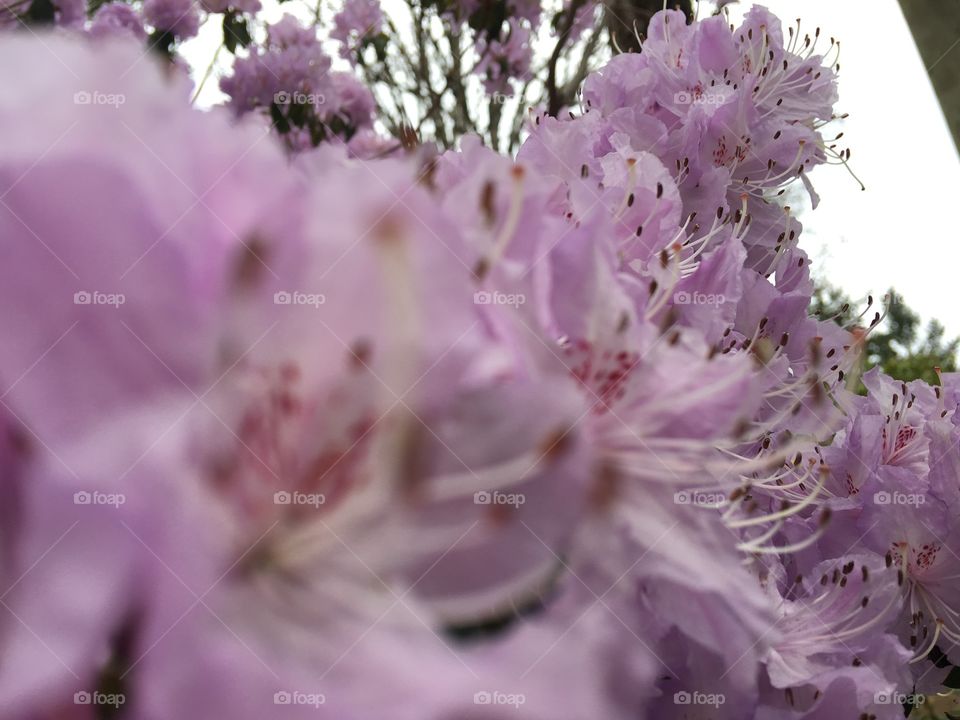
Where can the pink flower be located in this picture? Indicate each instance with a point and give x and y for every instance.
(179, 17)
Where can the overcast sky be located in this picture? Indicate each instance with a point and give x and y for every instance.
(901, 231)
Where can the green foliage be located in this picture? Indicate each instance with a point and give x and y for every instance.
(902, 349)
(236, 33)
(161, 42)
(40, 12)
(943, 706)
(94, 5)
(899, 345)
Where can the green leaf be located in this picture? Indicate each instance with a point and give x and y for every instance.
(236, 33)
(938, 657)
(40, 12)
(379, 44)
(953, 678)
(162, 42)
(279, 119)
(94, 5)
(489, 18)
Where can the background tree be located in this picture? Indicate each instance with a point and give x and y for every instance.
(900, 346)
(446, 68)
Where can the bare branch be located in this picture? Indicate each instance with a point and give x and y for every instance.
(555, 95)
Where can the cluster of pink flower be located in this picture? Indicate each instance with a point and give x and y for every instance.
(438, 436)
(273, 63)
(290, 79)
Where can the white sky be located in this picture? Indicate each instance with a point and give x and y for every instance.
(899, 231)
